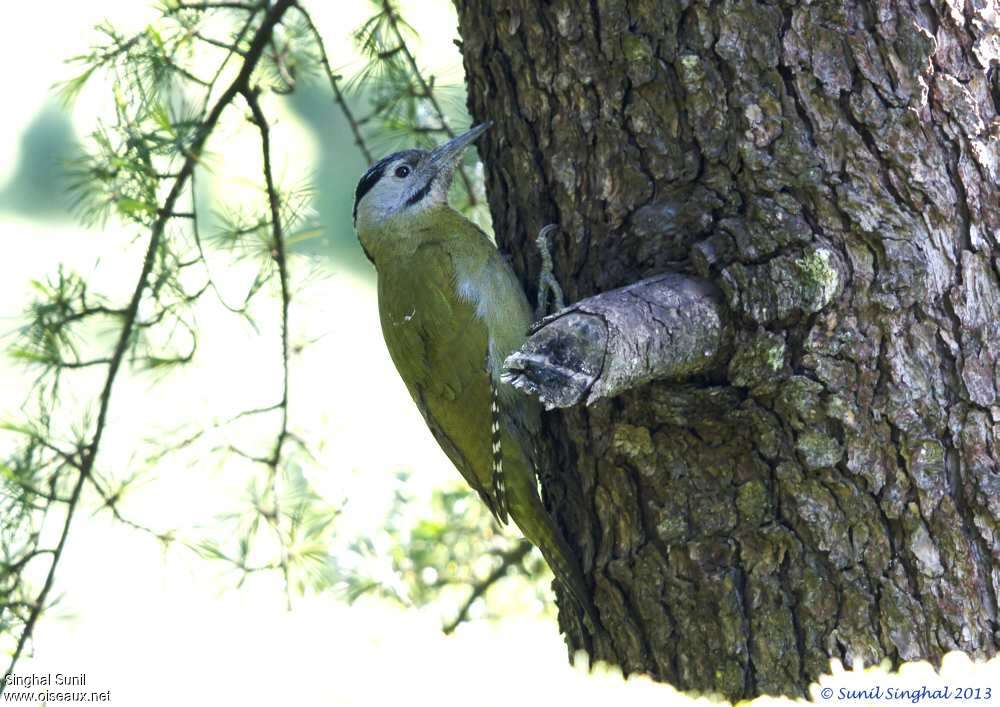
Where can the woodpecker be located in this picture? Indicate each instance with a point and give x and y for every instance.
(451, 311)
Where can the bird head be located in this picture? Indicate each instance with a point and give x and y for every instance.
(397, 190)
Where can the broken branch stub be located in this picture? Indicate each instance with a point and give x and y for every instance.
(665, 327)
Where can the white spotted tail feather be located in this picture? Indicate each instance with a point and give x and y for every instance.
(499, 489)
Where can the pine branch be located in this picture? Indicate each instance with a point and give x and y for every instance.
(427, 92)
(130, 322)
(334, 80)
(278, 252)
(181, 5)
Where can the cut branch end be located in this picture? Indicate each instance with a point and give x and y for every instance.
(668, 327)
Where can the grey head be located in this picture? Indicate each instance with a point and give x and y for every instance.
(399, 188)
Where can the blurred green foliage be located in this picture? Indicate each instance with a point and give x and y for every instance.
(339, 166)
(437, 557)
(37, 188)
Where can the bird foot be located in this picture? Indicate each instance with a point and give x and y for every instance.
(547, 283)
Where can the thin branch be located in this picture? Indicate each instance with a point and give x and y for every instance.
(338, 95)
(111, 503)
(36, 608)
(245, 6)
(89, 312)
(278, 252)
(217, 43)
(507, 560)
(428, 91)
(196, 230)
(189, 76)
(285, 72)
(80, 364)
(246, 56)
(217, 424)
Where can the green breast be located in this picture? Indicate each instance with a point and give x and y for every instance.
(439, 346)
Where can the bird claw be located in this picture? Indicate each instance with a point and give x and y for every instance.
(547, 282)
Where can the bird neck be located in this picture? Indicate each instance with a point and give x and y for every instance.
(396, 239)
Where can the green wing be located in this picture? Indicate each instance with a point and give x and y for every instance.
(440, 349)
(440, 345)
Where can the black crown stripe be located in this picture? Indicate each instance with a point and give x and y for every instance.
(370, 179)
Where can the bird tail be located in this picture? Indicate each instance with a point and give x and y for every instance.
(564, 565)
(534, 521)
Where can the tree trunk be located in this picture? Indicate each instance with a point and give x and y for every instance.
(833, 490)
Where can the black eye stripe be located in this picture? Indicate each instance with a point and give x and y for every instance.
(365, 185)
(377, 171)
(370, 179)
(420, 194)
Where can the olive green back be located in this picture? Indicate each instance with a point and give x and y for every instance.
(440, 347)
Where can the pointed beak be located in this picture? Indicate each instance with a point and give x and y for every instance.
(446, 157)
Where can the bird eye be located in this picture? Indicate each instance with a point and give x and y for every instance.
(402, 171)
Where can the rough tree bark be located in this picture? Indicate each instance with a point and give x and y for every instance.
(833, 490)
